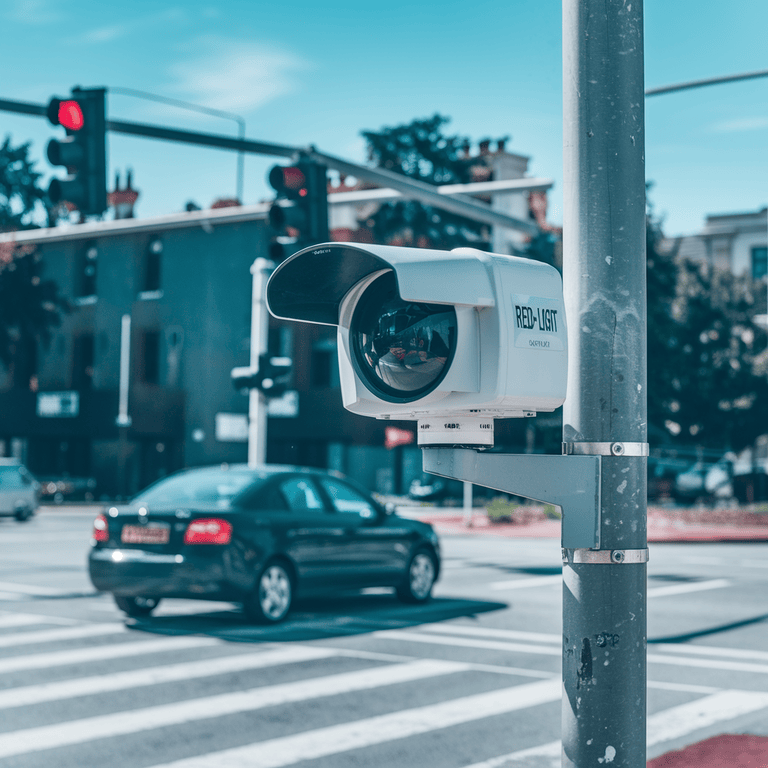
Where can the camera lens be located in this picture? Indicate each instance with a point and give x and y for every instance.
(401, 349)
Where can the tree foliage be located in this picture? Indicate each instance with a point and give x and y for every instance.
(705, 383)
(30, 308)
(421, 150)
(20, 193)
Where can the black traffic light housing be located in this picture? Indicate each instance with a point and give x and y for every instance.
(300, 209)
(272, 376)
(83, 152)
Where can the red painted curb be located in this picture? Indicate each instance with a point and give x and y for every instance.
(724, 751)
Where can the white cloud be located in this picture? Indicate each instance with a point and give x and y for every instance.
(34, 11)
(112, 32)
(236, 75)
(741, 124)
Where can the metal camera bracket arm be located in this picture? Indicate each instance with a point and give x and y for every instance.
(570, 482)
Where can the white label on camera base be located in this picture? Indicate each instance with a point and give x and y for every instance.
(538, 322)
(451, 430)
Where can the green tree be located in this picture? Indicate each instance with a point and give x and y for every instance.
(705, 385)
(21, 197)
(30, 306)
(421, 150)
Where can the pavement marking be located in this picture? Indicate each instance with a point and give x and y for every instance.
(662, 727)
(463, 642)
(100, 653)
(28, 619)
(722, 664)
(120, 681)
(56, 635)
(508, 634)
(107, 726)
(335, 739)
(706, 650)
(30, 589)
(681, 589)
(704, 713)
(537, 581)
(545, 650)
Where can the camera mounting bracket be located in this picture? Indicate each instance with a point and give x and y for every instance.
(570, 482)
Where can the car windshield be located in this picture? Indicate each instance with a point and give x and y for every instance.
(216, 486)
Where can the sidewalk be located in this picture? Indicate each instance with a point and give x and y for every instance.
(668, 525)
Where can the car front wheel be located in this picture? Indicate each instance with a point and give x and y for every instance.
(422, 571)
(136, 606)
(272, 596)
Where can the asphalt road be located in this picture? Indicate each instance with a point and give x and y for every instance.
(472, 679)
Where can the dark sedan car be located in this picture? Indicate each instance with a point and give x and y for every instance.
(257, 536)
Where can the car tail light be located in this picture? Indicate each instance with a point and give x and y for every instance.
(211, 530)
(100, 529)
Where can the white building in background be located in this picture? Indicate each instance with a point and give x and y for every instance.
(498, 177)
(734, 241)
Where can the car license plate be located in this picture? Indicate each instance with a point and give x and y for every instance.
(145, 534)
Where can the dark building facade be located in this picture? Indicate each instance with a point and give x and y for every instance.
(184, 281)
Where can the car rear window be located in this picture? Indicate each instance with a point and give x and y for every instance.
(11, 478)
(212, 486)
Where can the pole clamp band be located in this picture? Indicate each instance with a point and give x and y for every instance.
(604, 556)
(605, 449)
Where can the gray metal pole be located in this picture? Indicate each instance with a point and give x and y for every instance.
(261, 269)
(604, 591)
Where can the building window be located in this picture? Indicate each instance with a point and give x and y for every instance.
(82, 361)
(150, 357)
(153, 266)
(88, 262)
(759, 262)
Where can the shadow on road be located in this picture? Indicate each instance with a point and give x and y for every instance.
(318, 618)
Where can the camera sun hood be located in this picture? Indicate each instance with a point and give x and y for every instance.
(310, 285)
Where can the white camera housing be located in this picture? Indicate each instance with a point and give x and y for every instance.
(472, 336)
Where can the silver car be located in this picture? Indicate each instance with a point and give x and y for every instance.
(19, 491)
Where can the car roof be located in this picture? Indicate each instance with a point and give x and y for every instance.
(264, 469)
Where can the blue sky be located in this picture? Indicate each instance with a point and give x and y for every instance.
(301, 72)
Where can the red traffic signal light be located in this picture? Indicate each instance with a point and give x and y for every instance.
(82, 152)
(288, 180)
(301, 207)
(68, 112)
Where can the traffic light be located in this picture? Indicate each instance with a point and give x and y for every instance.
(272, 376)
(299, 215)
(82, 152)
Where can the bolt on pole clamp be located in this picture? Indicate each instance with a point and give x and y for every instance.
(605, 449)
(604, 556)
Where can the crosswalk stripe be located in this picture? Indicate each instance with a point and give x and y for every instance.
(28, 619)
(673, 723)
(31, 589)
(540, 650)
(335, 739)
(507, 634)
(100, 653)
(538, 637)
(56, 635)
(464, 642)
(682, 589)
(85, 686)
(537, 581)
(121, 723)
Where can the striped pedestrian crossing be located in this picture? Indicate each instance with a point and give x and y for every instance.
(333, 698)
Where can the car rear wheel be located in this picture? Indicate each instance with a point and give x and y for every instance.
(272, 596)
(23, 514)
(422, 571)
(136, 606)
